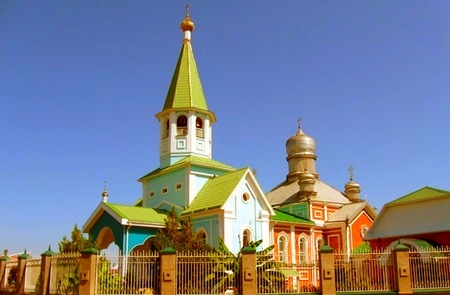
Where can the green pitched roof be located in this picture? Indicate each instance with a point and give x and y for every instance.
(216, 191)
(190, 160)
(185, 89)
(138, 214)
(287, 217)
(420, 195)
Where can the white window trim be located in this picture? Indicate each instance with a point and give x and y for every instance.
(305, 248)
(241, 235)
(318, 214)
(286, 247)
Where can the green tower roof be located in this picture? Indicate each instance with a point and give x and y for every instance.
(185, 91)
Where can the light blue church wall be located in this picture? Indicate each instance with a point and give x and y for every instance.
(245, 216)
(210, 225)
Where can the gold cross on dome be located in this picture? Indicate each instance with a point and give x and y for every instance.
(187, 9)
(299, 122)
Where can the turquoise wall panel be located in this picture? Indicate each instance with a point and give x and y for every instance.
(168, 181)
(138, 235)
(107, 220)
(122, 233)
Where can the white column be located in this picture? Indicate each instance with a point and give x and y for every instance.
(293, 242)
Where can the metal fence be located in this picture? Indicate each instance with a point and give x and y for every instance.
(10, 276)
(138, 273)
(430, 268)
(214, 272)
(371, 271)
(32, 275)
(286, 275)
(65, 273)
(207, 272)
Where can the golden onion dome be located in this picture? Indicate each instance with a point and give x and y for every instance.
(105, 193)
(187, 24)
(300, 143)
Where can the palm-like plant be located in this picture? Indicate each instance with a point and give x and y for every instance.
(226, 273)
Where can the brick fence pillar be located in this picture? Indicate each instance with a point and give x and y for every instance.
(3, 261)
(46, 259)
(168, 271)
(88, 271)
(402, 273)
(248, 271)
(21, 268)
(326, 267)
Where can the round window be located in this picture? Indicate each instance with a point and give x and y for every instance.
(246, 197)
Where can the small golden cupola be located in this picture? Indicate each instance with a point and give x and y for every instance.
(301, 154)
(187, 26)
(105, 195)
(352, 189)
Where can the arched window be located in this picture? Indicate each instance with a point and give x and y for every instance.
(199, 127)
(246, 238)
(282, 248)
(319, 243)
(202, 235)
(303, 249)
(166, 131)
(182, 125)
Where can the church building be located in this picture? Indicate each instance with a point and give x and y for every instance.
(309, 213)
(298, 216)
(221, 200)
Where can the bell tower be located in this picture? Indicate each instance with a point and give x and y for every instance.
(185, 121)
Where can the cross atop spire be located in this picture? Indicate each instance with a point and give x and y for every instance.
(350, 170)
(187, 9)
(299, 122)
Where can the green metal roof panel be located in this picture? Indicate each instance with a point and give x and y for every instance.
(185, 89)
(216, 191)
(364, 247)
(190, 160)
(138, 202)
(287, 217)
(138, 214)
(419, 195)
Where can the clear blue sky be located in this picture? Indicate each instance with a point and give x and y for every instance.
(81, 81)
